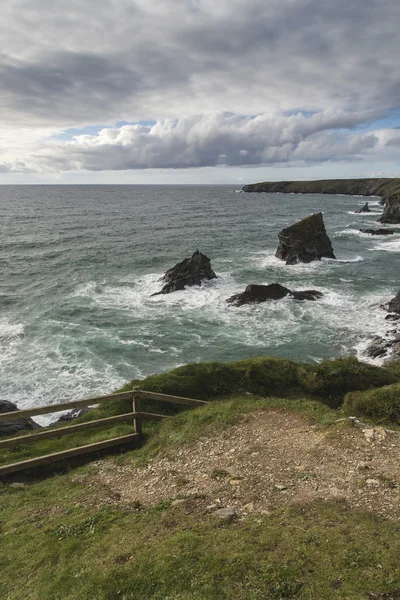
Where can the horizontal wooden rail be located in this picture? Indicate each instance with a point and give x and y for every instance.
(136, 417)
(166, 398)
(50, 458)
(56, 432)
(52, 408)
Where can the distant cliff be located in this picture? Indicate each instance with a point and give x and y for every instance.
(350, 187)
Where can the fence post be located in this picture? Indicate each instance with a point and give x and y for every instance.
(137, 422)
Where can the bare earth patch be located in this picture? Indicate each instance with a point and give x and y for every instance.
(270, 460)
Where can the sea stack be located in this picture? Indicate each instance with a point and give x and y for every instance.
(305, 241)
(191, 271)
(364, 209)
(391, 211)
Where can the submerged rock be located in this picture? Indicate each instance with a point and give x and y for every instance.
(191, 271)
(378, 231)
(305, 241)
(16, 425)
(364, 209)
(391, 211)
(255, 294)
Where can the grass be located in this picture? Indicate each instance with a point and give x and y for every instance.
(266, 377)
(63, 539)
(381, 405)
(57, 544)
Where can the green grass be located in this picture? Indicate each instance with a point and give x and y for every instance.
(267, 377)
(381, 406)
(65, 538)
(58, 545)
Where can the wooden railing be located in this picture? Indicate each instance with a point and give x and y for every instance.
(135, 395)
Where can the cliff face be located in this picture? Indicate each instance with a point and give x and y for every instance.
(391, 212)
(364, 187)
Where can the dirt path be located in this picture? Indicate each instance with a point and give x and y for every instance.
(272, 459)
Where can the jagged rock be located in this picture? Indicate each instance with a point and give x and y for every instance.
(388, 347)
(393, 305)
(378, 231)
(255, 294)
(307, 295)
(15, 426)
(391, 211)
(364, 209)
(191, 271)
(305, 241)
(71, 415)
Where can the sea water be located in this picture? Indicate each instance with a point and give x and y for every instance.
(79, 265)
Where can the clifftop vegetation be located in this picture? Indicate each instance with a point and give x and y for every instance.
(312, 510)
(365, 187)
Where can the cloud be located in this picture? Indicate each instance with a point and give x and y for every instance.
(102, 61)
(210, 140)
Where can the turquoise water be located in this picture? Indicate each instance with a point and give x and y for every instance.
(79, 265)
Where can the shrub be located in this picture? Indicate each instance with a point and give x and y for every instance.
(332, 379)
(381, 405)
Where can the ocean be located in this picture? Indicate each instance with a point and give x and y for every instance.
(79, 265)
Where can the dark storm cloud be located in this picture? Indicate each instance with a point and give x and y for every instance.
(100, 62)
(89, 61)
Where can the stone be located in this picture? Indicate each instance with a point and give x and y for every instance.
(364, 209)
(305, 241)
(191, 271)
(16, 425)
(391, 210)
(178, 501)
(17, 485)
(378, 231)
(255, 294)
(280, 487)
(393, 305)
(227, 514)
(71, 415)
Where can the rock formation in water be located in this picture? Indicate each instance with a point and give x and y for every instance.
(364, 209)
(305, 241)
(391, 211)
(15, 425)
(255, 294)
(378, 231)
(388, 347)
(191, 271)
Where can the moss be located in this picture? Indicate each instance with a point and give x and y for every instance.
(381, 405)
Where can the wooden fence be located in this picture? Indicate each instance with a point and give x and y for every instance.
(135, 396)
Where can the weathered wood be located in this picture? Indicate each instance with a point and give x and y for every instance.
(56, 432)
(53, 408)
(166, 398)
(51, 458)
(137, 422)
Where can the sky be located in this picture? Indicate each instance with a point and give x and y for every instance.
(198, 91)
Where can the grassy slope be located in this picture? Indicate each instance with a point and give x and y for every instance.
(327, 382)
(63, 540)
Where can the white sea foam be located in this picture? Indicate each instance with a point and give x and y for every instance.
(389, 246)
